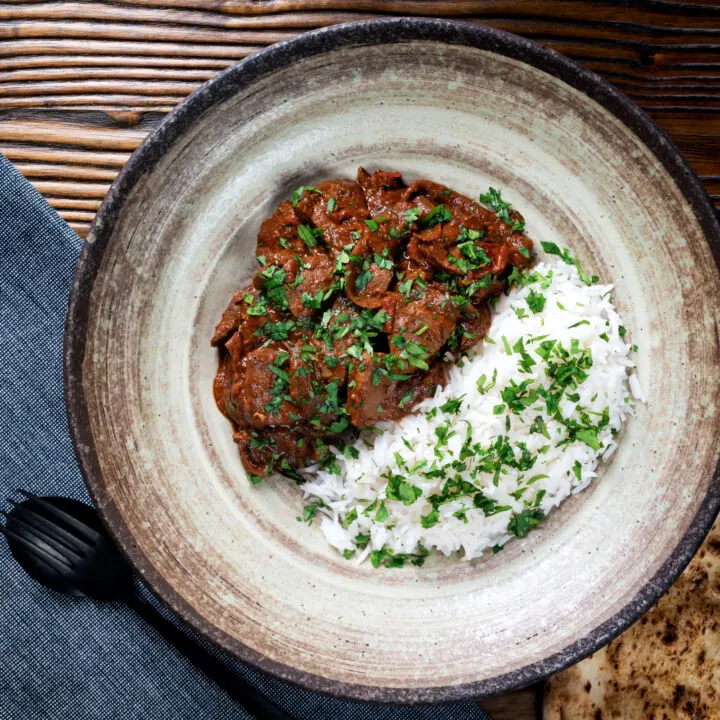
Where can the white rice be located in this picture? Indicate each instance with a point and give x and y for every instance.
(573, 312)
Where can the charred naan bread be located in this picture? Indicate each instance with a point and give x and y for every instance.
(665, 667)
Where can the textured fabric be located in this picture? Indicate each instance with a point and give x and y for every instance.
(63, 658)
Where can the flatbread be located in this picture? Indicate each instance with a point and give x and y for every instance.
(665, 667)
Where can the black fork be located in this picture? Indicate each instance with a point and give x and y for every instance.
(62, 544)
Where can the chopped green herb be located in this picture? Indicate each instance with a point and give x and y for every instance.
(552, 249)
(523, 522)
(382, 513)
(309, 235)
(384, 262)
(313, 302)
(452, 406)
(401, 490)
(536, 301)
(349, 519)
(430, 520)
(437, 215)
(477, 256)
(257, 310)
(412, 215)
(577, 469)
(309, 511)
(362, 280)
(480, 383)
(589, 436)
(298, 193)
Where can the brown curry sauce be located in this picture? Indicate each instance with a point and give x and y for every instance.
(363, 287)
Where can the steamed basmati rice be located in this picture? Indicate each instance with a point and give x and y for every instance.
(522, 423)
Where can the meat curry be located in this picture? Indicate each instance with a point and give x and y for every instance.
(364, 286)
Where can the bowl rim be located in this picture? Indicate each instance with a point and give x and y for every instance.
(224, 85)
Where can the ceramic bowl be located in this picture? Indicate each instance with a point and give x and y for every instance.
(469, 107)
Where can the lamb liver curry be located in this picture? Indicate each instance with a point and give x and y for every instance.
(363, 287)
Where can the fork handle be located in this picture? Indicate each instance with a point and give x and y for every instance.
(234, 685)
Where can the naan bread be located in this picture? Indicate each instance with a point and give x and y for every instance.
(665, 667)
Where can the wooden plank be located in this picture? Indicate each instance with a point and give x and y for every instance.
(63, 65)
(82, 83)
(520, 705)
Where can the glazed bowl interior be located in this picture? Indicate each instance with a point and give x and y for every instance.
(176, 239)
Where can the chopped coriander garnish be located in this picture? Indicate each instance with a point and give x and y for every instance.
(437, 215)
(430, 520)
(589, 436)
(412, 215)
(349, 519)
(309, 511)
(523, 522)
(552, 249)
(298, 193)
(577, 469)
(452, 406)
(382, 513)
(536, 301)
(482, 387)
(309, 235)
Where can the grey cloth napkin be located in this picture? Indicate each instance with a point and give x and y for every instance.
(63, 658)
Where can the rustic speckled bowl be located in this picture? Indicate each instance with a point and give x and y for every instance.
(469, 107)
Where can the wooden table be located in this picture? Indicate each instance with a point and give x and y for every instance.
(82, 83)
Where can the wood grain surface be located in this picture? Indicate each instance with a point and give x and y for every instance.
(81, 83)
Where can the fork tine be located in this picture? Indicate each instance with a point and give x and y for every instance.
(58, 570)
(89, 534)
(39, 548)
(50, 534)
(47, 527)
